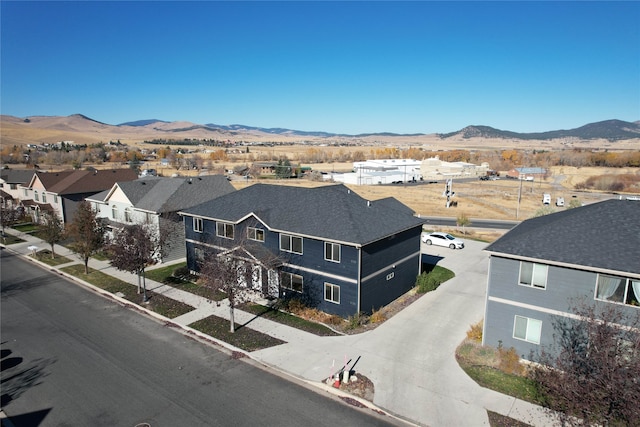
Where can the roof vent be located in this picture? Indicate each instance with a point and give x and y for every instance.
(189, 181)
(368, 203)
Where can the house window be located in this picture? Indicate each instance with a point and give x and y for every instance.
(13, 186)
(26, 192)
(224, 229)
(127, 215)
(256, 234)
(332, 252)
(114, 212)
(44, 197)
(35, 196)
(55, 198)
(290, 243)
(291, 281)
(618, 289)
(197, 225)
(534, 275)
(332, 293)
(527, 329)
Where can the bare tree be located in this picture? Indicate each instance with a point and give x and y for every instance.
(52, 230)
(591, 376)
(8, 216)
(132, 249)
(87, 233)
(236, 271)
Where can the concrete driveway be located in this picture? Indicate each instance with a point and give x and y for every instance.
(411, 357)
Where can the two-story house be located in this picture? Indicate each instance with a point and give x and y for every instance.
(539, 267)
(156, 201)
(10, 180)
(338, 252)
(62, 192)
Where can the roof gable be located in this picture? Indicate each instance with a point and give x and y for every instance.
(604, 235)
(330, 212)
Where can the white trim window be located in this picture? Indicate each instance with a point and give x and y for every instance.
(199, 254)
(527, 329)
(197, 225)
(55, 198)
(332, 252)
(331, 293)
(44, 197)
(256, 234)
(620, 290)
(114, 212)
(35, 196)
(290, 243)
(127, 215)
(224, 229)
(293, 282)
(533, 275)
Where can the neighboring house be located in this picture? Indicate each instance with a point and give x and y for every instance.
(338, 252)
(62, 192)
(10, 181)
(527, 174)
(541, 265)
(156, 201)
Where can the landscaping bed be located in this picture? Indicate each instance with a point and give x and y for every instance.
(244, 338)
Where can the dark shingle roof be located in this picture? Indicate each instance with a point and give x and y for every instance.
(16, 176)
(604, 235)
(83, 181)
(156, 194)
(331, 212)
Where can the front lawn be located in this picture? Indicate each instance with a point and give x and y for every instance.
(159, 303)
(10, 239)
(245, 338)
(171, 275)
(45, 257)
(287, 319)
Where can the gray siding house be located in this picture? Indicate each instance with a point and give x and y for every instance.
(156, 201)
(540, 266)
(339, 252)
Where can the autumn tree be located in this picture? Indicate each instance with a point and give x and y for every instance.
(234, 272)
(52, 230)
(132, 249)
(590, 376)
(87, 233)
(8, 216)
(462, 221)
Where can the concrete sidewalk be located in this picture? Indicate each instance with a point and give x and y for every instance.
(410, 358)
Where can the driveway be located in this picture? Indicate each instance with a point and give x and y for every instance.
(411, 357)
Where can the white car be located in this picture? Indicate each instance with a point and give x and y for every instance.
(442, 239)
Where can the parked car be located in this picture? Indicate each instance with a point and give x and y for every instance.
(442, 239)
(560, 201)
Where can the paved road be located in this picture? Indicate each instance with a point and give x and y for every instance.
(72, 358)
(475, 223)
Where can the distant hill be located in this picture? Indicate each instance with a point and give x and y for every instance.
(142, 122)
(612, 130)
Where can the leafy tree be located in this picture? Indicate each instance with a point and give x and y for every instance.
(132, 249)
(52, 230)
(233, 272)
(591, 376)
(283, 169)
(463, 221)
(545, 210)
(87, 233)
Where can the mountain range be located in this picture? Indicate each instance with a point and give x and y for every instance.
(82, 129)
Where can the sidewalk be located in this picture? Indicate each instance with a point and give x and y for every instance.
(412, 366)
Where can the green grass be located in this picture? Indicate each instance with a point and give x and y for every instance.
(165, 275)
(432, 277)
(243, 338)
(27, 227)
(45, 257)
(513, 385)
(159, 303)
(288, 319)
(10, 239)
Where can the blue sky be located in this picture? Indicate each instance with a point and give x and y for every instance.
(344, 67)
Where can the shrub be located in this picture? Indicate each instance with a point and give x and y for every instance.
(378, 316)
(475, 332)
(510, 361)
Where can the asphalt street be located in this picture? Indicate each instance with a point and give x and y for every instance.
(73, 358)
